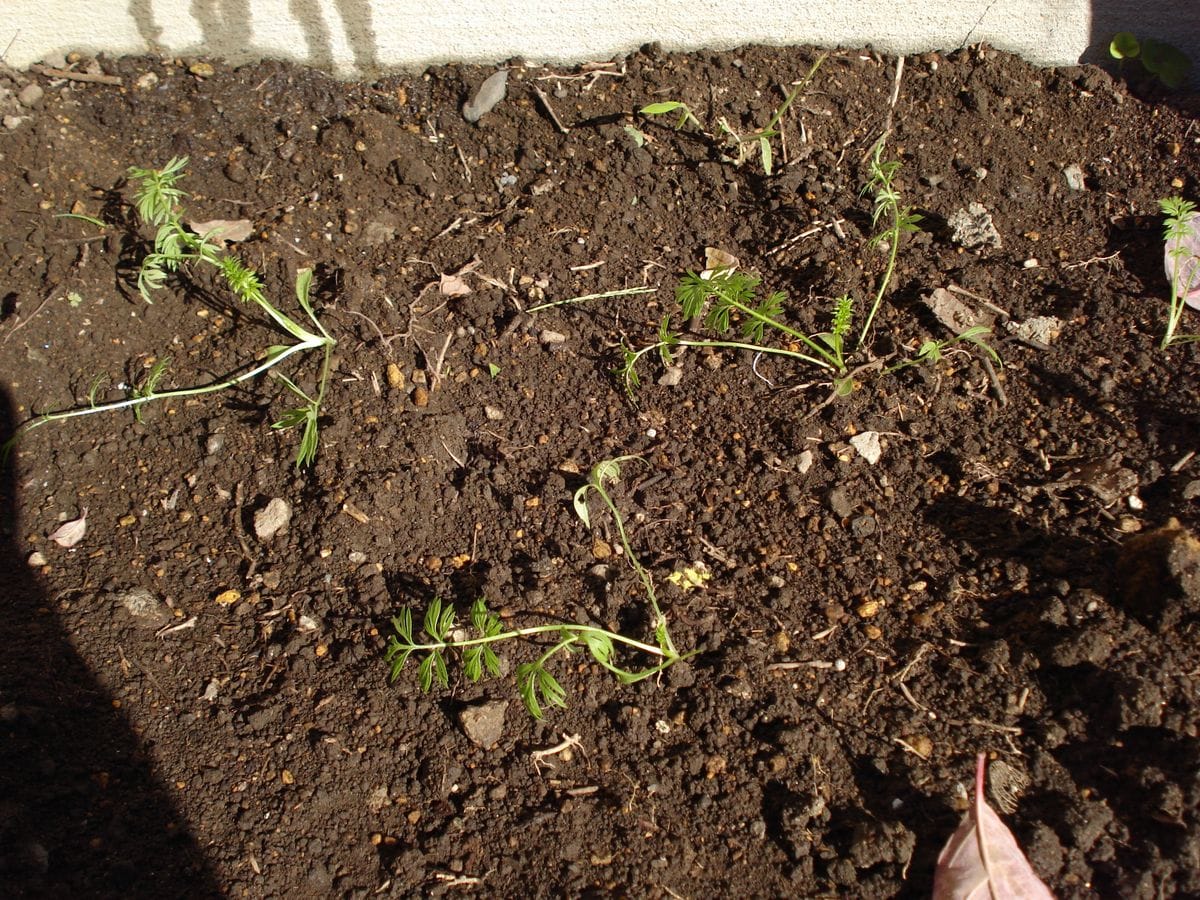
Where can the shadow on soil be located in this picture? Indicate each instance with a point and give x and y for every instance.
(80, 812)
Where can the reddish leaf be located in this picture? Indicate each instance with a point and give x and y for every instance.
(982, 860)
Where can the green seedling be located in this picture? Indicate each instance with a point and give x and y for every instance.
(667, 107)
(91, 220)
(899, 220)
(1181, 258)
(626, 292)
(931, 351)
(743, 145)
(719, 298)
(157, 199)
(536, 685)
(1168, 64)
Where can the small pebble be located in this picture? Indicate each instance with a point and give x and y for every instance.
(31, 95)
(395, 376)
(552, 337)
(671, 377)
(484, 724)
(36, 559)
(202, 69)
(420, 396)
(1074, 177)
(272, 519)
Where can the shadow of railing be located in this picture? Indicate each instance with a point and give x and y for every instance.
(81, 814)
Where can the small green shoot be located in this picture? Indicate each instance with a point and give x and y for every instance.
(536, 685)
(727, 293)
(158, 202)
(91, 220)
(668, 107)
(900, 220)
(626, 292)
(931, 352)
(493, 370)
(760, 139)
(1181, 233)
(745, 145)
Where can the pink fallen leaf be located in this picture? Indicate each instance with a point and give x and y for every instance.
(1187, 261)
(982, 860)
(68, 534)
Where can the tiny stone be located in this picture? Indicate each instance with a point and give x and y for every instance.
(866, 444)
(272, 519)
(672, 376)
(36, 559)
(395, 376)
(31, 95)
(420, 396)
(552, 337)
(214, 444)
(494, 413)
(202, 69)
(1191, 490)
(1074, 177)
(142, 604)
(147, 81)
(484, 724)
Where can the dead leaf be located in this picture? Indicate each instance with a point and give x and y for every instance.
(953, 313)
(716, 259)
(232, 230)
(982, 860)
(452, 284)
(68, 534)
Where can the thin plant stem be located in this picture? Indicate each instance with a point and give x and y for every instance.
(604, 296)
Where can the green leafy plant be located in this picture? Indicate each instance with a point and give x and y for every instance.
(157, 200)
(899, 220)
(1168, 64)
(742, 145)
(727, 293)
(931, 352)
(536, 685)
(1181, 233)
(667, 107)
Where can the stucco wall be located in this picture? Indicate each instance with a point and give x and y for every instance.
(352, 36)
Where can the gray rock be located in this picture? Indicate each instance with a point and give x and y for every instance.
(484, 724)
(973, 227)
(272, 519)
(31, 95)
(490, 93)
(143, 605)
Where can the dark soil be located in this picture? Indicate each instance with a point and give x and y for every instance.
(998, 581)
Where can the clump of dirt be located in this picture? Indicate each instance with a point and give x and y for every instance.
(193, 707)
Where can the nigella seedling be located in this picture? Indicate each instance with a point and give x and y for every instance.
(158, 200)
(537, 686)
(1181, 258)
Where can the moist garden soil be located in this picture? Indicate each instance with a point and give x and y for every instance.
(191, 708)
